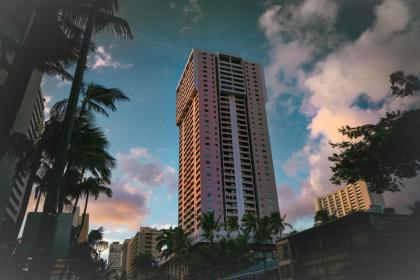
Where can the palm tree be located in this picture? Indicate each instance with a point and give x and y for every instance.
(165, 243)
(96, 16)
(91, 187)
(174, 246)
(85, 255)
(278, 224)
(263, 230)
(99, 99)
(210, 226)
(232, 225)
(249, 223)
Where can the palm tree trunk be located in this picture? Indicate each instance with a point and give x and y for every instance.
(62, 154)
(50, 205)
(78, 195)
(75, 203)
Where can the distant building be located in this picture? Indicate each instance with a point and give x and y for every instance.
(124, 256)
(115, 268)
(351, 198)
(225, 161)
(14, 195)
(362, 245)
(143, 242)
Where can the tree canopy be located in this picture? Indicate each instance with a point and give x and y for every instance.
(383, 154)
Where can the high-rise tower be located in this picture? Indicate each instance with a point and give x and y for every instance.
(225, 162)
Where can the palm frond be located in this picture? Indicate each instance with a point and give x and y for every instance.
(111, 23)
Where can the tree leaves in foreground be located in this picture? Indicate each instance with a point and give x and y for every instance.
(382, 154)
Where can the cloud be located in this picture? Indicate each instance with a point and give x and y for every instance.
(192, 14)
(296, 34)
(297, 162)
(192, 11)
(296, 203)
(127, 208)
(150, 173)
(103, 59)
(162, 226)
(47, 104)
(138, 175)
(330, 73)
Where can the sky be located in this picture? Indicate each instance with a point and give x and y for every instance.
(327, 64)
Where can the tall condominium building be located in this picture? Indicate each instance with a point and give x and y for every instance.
(144, 242)
(115, 261)
(225, 162)
(13, 195)
(353, 197)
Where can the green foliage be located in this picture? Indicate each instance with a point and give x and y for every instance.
(382, 154)
(146, 265)
(232, 225)
(84, 257)
(213, 260)
(249, 223)
(210, 225)
(322, 216)
(404, 85)
(173, 242)
(278, 224)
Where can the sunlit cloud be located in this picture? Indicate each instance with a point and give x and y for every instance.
(342, 71)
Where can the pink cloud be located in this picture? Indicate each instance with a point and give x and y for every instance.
(296, 203)
(124, 209)
(150, 173)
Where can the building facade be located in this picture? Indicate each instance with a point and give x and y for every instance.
(124, 256)
(361, 245)
(144, 242)
(29, 121)
(115, 267)
(14, 196)
(353, 197)
(225, 162)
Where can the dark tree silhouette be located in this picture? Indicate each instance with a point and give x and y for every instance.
(382, 154)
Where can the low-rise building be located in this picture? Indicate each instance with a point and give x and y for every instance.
(362, 245)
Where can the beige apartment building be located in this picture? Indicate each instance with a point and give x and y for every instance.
(225, 162)
(353, 197)
(143, 242)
